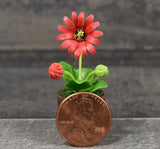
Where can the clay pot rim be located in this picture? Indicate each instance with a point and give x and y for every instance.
(59, 96)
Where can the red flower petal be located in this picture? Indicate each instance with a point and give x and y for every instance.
(68, 22)
(90, 48)
(64, 36)
(81, 19)
(93, 40)
(92, 26)
(73, 47)
(96, 33)
(64, 29)
(65, 44)
(77, 53)
(81, 49)
(75, 18)
(89, 20)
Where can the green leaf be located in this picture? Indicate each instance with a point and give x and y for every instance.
(78, 85)
(99, 84)
(99, 92)
(93, 79)
(69, 68)
(85, 72)
(66, 92)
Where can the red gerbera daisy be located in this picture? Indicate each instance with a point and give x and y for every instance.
(79, 35)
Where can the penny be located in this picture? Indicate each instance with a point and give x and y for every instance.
(83, 119)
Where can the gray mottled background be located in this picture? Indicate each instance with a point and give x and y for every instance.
(130, 47)
(126, 23)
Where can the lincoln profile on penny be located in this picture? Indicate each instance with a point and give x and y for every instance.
(84, 122)
(83, 116)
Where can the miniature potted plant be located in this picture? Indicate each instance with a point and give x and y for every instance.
(79, 36)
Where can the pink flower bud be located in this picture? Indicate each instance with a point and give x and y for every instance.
(55, 71)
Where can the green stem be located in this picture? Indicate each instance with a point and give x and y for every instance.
(69, 74)
(80, 67)
(90, 75)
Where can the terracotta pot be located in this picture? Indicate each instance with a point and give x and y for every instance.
(60, 98)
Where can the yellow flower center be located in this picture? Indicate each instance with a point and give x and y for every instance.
(79, 34)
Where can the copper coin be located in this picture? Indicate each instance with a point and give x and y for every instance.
(83, 119)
